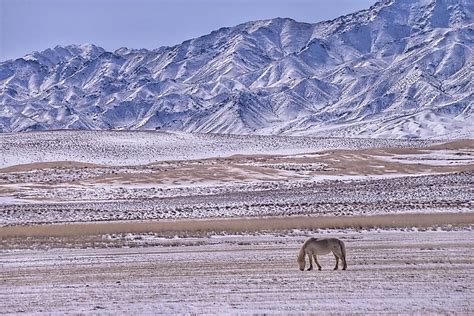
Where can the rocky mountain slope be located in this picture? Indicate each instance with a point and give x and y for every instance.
(401, 69)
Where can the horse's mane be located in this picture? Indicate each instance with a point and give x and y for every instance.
(302, 249)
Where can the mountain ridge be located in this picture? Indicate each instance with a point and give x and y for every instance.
(398, 69)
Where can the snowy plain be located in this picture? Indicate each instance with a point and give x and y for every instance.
(140, 147)
(70, 178)
(62, 176)
(389, 272)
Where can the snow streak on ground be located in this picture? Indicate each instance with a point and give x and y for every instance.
(394, 272)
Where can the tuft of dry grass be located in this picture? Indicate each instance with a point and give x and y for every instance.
(238, 225)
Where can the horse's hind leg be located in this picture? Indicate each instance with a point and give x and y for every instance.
(317, 263)
(339, 255)
(337, 262)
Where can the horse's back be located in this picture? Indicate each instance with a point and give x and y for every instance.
(323, 244)
(323, 240)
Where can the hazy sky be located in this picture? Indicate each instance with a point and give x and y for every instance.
(31, 25)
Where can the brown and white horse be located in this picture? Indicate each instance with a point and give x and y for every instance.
(314, 247)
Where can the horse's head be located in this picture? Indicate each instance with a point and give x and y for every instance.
(301, 264)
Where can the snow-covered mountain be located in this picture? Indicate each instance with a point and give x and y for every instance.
(402, 68)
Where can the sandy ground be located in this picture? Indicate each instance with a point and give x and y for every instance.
(394, 272)
(231, 225)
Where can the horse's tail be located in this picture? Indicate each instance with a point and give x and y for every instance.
(343, 252)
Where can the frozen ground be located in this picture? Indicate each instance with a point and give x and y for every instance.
(387, 180)
(395, 272)
(425, 194)
(87, 214)
(138, 147)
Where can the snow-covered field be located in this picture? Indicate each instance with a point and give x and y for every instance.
(68, 179)
(82, 217)
(428, 194)
(390, 272)
(139, 148)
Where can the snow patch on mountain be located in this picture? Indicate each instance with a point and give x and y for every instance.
(400, 69)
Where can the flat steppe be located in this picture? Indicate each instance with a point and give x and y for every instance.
(389, 271)
(122, 222)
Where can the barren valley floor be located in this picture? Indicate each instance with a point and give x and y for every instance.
(394, 272)
(123, 225)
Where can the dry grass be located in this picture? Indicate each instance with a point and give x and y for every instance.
(455, 145)
(49, 165)
(238, 225)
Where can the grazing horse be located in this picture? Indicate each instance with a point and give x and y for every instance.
(321, 246)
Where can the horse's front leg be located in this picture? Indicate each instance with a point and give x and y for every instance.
(317, 263)
(310, 263)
